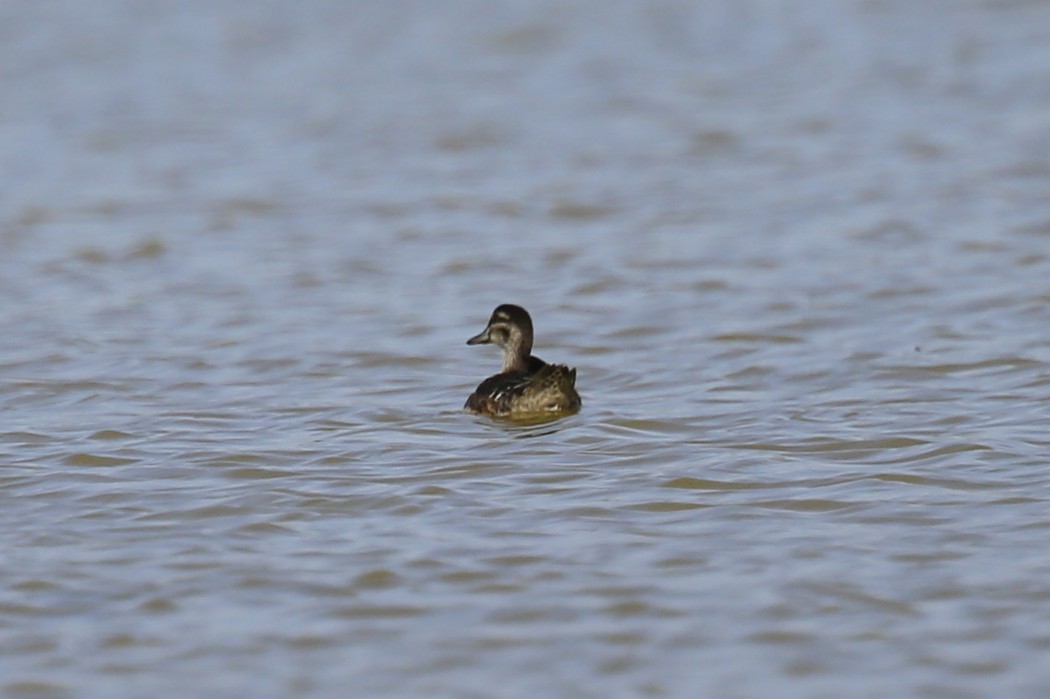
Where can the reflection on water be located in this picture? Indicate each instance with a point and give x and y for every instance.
(796, 253)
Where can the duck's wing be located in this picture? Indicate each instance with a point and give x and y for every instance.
(551, 389)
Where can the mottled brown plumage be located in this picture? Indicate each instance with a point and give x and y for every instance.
(527, 386)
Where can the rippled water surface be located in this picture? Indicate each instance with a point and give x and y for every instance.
(798, 253)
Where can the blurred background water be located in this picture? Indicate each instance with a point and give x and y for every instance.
(798, 253)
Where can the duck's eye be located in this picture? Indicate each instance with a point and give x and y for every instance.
(499, 334)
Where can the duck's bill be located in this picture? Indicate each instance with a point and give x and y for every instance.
(481, 338)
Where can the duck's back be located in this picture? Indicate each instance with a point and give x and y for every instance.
(542, 388)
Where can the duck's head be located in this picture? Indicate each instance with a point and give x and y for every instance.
(510, 328)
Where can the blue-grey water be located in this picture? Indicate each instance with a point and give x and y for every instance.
(798, 252)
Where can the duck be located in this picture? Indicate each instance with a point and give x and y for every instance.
(527, 386)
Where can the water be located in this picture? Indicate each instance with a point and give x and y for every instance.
(797, 252)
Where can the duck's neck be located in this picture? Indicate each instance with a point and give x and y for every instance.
(516, 349)
(515, 359)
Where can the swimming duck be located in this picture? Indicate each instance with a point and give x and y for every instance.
(527, 386)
